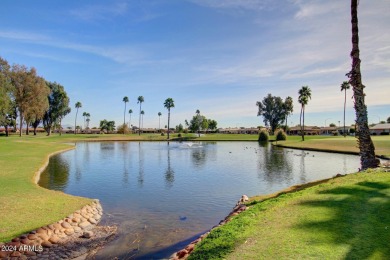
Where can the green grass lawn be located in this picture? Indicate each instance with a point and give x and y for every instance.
(343, 218)
(337, 143)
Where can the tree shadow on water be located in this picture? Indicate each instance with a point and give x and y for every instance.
(359, 216)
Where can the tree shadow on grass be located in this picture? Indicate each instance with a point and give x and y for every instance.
(360, 218)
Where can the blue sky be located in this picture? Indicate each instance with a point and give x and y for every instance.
(216, 56)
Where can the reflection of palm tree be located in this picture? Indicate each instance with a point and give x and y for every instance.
(141, 165)
(169, 173)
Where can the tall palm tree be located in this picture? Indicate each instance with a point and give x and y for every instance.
(130, 112)
(168, 104)
(366, 146)
(159, 117)
(88, 115)
(142, 118)
(125, 99)
(84, 115)
(140, 100)
(303, 99)
(288, 108)
(344, 86)
(77, 106)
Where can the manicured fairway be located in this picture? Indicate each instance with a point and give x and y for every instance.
(344, 218)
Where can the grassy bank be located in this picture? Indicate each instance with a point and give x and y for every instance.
(343, 218)
(24, 205)
(338, 143)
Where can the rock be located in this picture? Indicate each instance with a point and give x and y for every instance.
(69, 231)
(32, 236)
(46, 244)
(16, 239)
(92, 220)
(190, 248)
(76, 219)
(244, 198)
(84, 224)
(30, 253)
(43, 236)
(4, 254)
(182, 253)
(87, 234)
(57, 226)
(66, 225)
(54, 239)
(77, 229)
(25, 241)
(15, 254)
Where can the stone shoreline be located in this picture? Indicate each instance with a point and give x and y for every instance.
(184, 253)
(76, 235)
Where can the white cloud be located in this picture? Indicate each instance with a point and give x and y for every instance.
(100, 12)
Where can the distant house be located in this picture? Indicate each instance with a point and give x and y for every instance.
(380, 129)
(329, 130)
(309, 130)
(239, 130)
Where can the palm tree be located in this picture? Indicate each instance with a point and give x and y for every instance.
(130, 112)
(84, 115)
(125, 99)
(142, 118)
(77, 106)
(168, 104)
(88, 115)
(140, 100)
(303, 99)
(344, 86)
(159, 116)
(288, 108)
(366, 146)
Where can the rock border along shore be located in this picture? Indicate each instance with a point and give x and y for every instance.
(184, 253)
(50, 241)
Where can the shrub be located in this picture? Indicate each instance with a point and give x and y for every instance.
(123, 129)
(162, 134)
(281, 135)
(384, 133)
(179, 135)
(263, 136)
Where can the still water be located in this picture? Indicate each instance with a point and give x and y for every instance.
(162, 196)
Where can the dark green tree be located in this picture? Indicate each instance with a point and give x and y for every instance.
(273, 111)
(58, 107)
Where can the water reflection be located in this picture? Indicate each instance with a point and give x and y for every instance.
(169, 173)
(165, 194)
(59, 174)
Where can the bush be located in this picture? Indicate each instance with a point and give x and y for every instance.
(384, 133)
(281, 135)
(162, 134)
(263, 136)
(179, 135)
(123, 129)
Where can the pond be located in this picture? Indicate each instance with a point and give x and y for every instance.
(162, 196)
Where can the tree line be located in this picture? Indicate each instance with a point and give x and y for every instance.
(27, 96)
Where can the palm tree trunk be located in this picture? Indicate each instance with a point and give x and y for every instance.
(75, 120)
(303, 123)
(139, 123)
(366, 146)
(345, 101)
(300, 121)
(169, 115)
